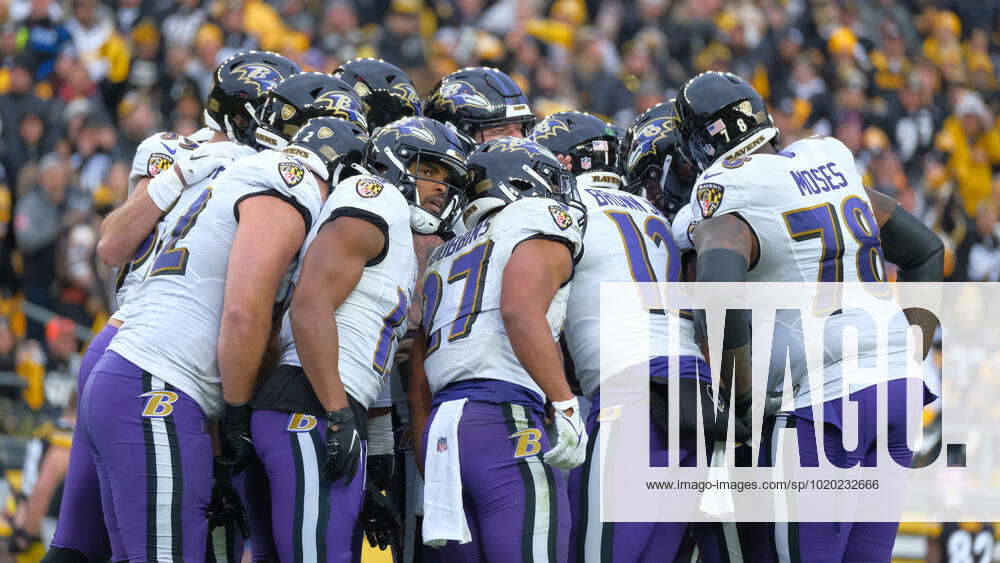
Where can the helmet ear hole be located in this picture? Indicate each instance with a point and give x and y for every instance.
(520, 184)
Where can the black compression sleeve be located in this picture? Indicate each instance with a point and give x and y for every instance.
(724, 265)
(913, 247)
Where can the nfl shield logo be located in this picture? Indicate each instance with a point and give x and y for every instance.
(442, 444)
(585, 163)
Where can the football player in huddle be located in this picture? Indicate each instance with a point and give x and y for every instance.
(482, 103)
(760, 210)
(494, 300)
(166, 352)
(349, 309)
(296, 100)
(387, 92)
(129, 237)
(627, 240)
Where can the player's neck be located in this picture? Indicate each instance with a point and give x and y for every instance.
(766, 148)
(218, 137)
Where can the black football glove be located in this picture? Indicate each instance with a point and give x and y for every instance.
(226, 507)
(234, 436)
(714, 418)
(381, 521)
(343, 446)
(20, 541)
(380, 470)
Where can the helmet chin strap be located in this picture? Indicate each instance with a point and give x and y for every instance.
(422, 221)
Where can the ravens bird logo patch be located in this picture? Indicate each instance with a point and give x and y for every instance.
(561, 217)
(368, 187)
(292, 173)
(158, 162)
(709, 198)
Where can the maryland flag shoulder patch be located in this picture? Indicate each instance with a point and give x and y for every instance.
(292, 173)
(562, 218)
(709, 198)
(369, 187)
(158, 162)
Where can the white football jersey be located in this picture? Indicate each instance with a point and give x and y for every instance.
(466, 338)
(173, 328)
(372, 319)
(132, 273)
(813, 220)
(627, 240)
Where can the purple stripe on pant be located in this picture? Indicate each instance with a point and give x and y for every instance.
(81, 519)
(309, 518)
(153, 456)
(516, 507)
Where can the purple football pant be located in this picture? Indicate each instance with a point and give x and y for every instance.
(81, 519)
(310, 518)
(840, 541)
(594, 541)
(516, 507)
(153, 456)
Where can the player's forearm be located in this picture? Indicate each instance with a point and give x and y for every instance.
(52, 472)
(314, 329)
(531, 339)
(242, 339)
(418, 396)
(124, 229)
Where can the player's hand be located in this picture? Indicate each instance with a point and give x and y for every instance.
(570, 449)
(20, 541)
(343, 446)
(380, 470)
(225, 507)
(198, 167)
(234, 437)
(714, 418)
(381, 521)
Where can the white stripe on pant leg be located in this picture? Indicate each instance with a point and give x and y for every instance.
(733, 546)
(164, 468)
(595, 528)
(780, 497)
(540, 534)
(310, 496)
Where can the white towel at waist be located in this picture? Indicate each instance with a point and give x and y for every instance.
(444, 515)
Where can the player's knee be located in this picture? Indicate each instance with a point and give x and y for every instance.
(64, 555)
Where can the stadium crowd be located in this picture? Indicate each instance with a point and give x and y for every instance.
(909, 86)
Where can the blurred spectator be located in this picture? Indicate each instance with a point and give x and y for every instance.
(182, 22)
(984, 255)
(400, 42)
(45, 38)
(972, 140)
(62, 364)
(38, 219)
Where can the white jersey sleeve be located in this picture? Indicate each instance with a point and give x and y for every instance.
(173, 329)
(158, 153)
(461, 292)
(372, 319)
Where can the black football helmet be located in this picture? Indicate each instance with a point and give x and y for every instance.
(591, 144)
(238, 90)
(474, 98)
(387, 92)
(394, 150)
(721, 116)
(331, 147)
(299, 98)
(654, 166)
(504, 170)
